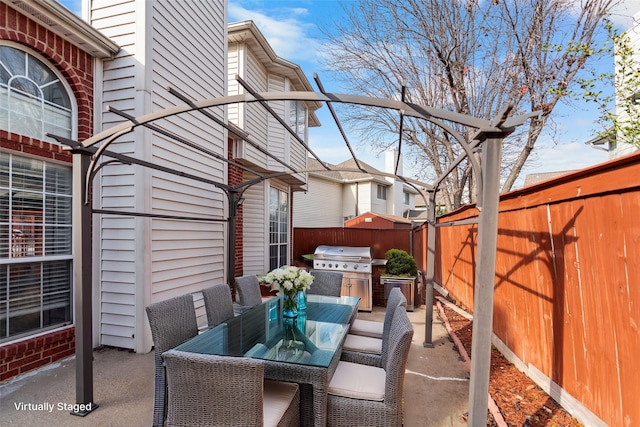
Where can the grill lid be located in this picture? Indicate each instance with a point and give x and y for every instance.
(343, 253)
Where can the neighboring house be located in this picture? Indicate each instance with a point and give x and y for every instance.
(49, 59)
(58, 74)
(346, 194)
(534, 178)
(265, 215)
(611, 142)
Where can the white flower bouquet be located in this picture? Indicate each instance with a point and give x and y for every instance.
(290, 280)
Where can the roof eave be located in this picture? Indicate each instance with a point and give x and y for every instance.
(61, 21)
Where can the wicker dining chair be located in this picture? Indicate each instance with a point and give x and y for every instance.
(372, 328)
(248, 288)
(369, 395)
(328, 283)
(209, 390)
(172, 322)
(217, 304)
(372, 351)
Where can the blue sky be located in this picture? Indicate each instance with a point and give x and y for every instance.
(292, 27)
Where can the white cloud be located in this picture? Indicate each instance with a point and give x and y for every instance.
(284, 28)
(623, 13)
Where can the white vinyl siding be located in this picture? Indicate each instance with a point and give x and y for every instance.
(233, 55)
(255, 116)
(254, 229)
(320, 206)
(276, 134)
(163, 44)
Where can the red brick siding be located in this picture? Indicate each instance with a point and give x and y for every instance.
(235, 178)
(21, 357)
(76, 66)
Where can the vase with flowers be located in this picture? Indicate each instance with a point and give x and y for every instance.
(290, 281)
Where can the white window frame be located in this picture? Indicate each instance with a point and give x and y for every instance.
(381, 192)
(7, 93)
(279, 238)
(39, 252)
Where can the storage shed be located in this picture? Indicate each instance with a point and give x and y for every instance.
(379, 221)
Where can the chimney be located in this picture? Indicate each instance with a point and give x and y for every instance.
(390, 161)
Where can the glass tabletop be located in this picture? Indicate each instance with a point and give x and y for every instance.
(262, 332)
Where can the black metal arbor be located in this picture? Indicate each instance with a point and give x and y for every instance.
(89, 157)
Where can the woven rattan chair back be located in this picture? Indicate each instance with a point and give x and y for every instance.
(172, 322)
(248, 288)
(396, 298)
(327, 283)
(400, 337)
(214, 390)
(218, 304)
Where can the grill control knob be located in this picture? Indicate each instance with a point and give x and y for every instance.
(355, 266)
(344, 266)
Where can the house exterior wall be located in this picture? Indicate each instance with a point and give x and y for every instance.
(620, 148)
(144, 260)
(379, 205)
(320, 206)
(77, 67)
(255, 228)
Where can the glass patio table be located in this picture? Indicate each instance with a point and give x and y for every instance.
(305, 350)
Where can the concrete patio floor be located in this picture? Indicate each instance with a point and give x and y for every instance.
(436, 386)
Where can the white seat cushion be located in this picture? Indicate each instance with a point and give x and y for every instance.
(367, 328)
(358, 381)
(363, 344)
(277, 397)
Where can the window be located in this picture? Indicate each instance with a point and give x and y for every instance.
(278, 228)
(406, 198)
(35, 245)
(33, 100)
(382, 192)
(298, 118)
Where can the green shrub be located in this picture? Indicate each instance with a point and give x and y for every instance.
(400, 263)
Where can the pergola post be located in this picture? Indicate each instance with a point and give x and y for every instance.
(431, 269)
(82, 279)
(484, 283)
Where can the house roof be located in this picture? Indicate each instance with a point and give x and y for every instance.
(247, 32)
(535, 178)
(61, 21)
(346, 176)
(389, 217)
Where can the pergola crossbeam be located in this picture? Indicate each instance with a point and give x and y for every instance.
(488, 133)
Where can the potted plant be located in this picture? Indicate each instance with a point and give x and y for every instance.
(401, 271)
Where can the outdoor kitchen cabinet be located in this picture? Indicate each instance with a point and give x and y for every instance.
(358, 287)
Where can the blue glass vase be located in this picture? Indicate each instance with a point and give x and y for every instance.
(302, 300)
(290, 305)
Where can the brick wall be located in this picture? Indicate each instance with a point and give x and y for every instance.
(76, 66)
(235, 178)
(23, 356)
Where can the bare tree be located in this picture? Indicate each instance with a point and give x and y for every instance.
(472, 57)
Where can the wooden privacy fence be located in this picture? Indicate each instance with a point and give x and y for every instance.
(305, 240)
(567, 291)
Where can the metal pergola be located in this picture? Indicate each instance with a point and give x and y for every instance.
(90, 156)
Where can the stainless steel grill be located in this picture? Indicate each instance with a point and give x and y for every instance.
(354, 262)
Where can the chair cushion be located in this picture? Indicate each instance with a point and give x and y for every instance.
(277, 397)
(367, 328)
(358, 381)
(363, 344)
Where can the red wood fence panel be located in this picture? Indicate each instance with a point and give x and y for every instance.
(567, 291)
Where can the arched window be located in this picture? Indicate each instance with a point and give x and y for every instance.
(33, 99)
